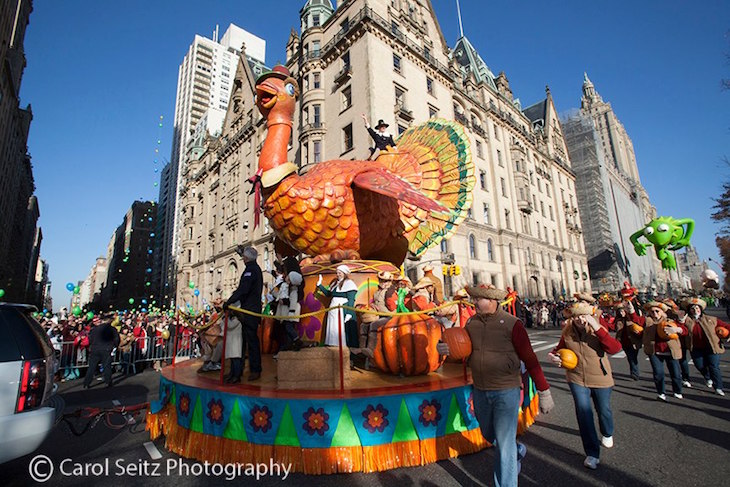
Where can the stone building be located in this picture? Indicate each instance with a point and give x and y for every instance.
(18, 206)
(613, 202)
(389, 60)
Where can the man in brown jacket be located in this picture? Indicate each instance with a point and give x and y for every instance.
(705, 345)
(661, 347)
(499, 342)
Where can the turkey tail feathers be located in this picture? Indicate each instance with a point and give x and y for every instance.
(435, 158)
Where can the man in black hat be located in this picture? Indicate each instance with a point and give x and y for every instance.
(382, 138)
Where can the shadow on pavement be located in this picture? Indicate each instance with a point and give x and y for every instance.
(708, 435)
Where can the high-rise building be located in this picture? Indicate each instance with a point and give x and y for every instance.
(18, 206)
(389, 60)
(94, 283)
(205, 79)
(612, 200)
(129, 260)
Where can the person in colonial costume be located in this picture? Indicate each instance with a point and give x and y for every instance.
(340, 321)
(706, 346)
(590, 381)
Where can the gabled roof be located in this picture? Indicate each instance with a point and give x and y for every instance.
(536, 112)
(472, 63)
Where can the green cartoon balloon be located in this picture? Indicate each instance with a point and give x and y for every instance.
(666, 234)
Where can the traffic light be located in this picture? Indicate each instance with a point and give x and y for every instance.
(457, 270)
(445, 270)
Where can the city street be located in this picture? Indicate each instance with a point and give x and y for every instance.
(681, 442)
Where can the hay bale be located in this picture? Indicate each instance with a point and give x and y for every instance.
(312, 368)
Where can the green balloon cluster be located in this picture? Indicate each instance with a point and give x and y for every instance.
(76, 311)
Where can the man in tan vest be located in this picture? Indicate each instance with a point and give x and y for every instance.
(499, 342)
(437, 284)
(705, 345)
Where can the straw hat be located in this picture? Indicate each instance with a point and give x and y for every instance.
(656, 304)
(581, 308)
(687, 302)
(461, 294)
(427, 268)
(406, 280)
(585, 297)
(385, 276)
(486, 292)
(423, 283)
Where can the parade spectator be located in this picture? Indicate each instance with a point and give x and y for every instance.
(438, 286)
(591, 380)
(661, 348)
(500, 342)
(705, 345)
(103, 339)
(248, 293)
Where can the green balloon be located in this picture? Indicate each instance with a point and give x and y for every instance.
(2, 293)
(76, 311)
(77, 289)
(131, 300)
(191, 285)
(90, 315)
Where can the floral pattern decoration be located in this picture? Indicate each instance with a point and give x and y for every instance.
(375, 418)
(315, 421)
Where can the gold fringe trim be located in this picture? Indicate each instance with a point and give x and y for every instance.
(528, 416)
(312, 461)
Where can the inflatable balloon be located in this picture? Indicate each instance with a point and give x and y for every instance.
(76, 311)
(165, 334)
(666, 234)
(90, 315)
(710, 279)
(196, 292)
(131, 300)
(2, 293)
(70, 286)
(191, 285)
(76, 290)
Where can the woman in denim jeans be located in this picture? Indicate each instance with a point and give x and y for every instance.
(591, 379)
(661, 348)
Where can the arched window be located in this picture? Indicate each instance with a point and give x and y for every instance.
(490, 250)
(514, 283)
(511, 254)
(472, 247)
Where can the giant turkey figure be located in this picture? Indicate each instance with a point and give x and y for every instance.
(405, 200)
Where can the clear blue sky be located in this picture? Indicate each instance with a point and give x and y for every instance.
(100, 74)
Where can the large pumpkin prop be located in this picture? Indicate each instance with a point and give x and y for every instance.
(568, 358)
(459, 343)
(267, 341)
(638, 329)
(407, 345)
(664, 335)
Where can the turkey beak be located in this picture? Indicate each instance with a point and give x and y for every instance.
(266, 95)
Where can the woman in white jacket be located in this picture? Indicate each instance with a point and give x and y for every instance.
(290, 296)
(234, 347)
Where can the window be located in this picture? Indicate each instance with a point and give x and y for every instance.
(552, 217)
(469, 213)
(547, 190)
(347, 137)
(539, 185)
(315, 49)
(427, 52)
(499, 158)
(542, 208)
(401, 129)
(429, 86)
(347, 98)
(317, 115)
(317, 147)
(396, 63)
(496, 132)
(190, 233)
(480, 152)
(475, 278)
(346, 61)
(511, 254)
(315, 20)
(432, 112)
(190, 256)
(490, 250)
(507, 222)
(504, 187)
(317, 82)
(514, 283)
(487, 219)
(400, 97)
(472, 247)
(483, 180)
(555, 238)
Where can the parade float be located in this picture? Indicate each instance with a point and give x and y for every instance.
(309, 408)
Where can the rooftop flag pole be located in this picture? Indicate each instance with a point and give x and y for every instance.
(458, 13)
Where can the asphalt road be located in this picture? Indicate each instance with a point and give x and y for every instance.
(679, 443)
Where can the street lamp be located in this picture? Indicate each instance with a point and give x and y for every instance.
(559, 258)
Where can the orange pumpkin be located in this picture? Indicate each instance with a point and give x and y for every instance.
(721, 332)
(459, 343)
(662, 334)
(568, 358)
(638, 329)
(266, 336)
(407, 345)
